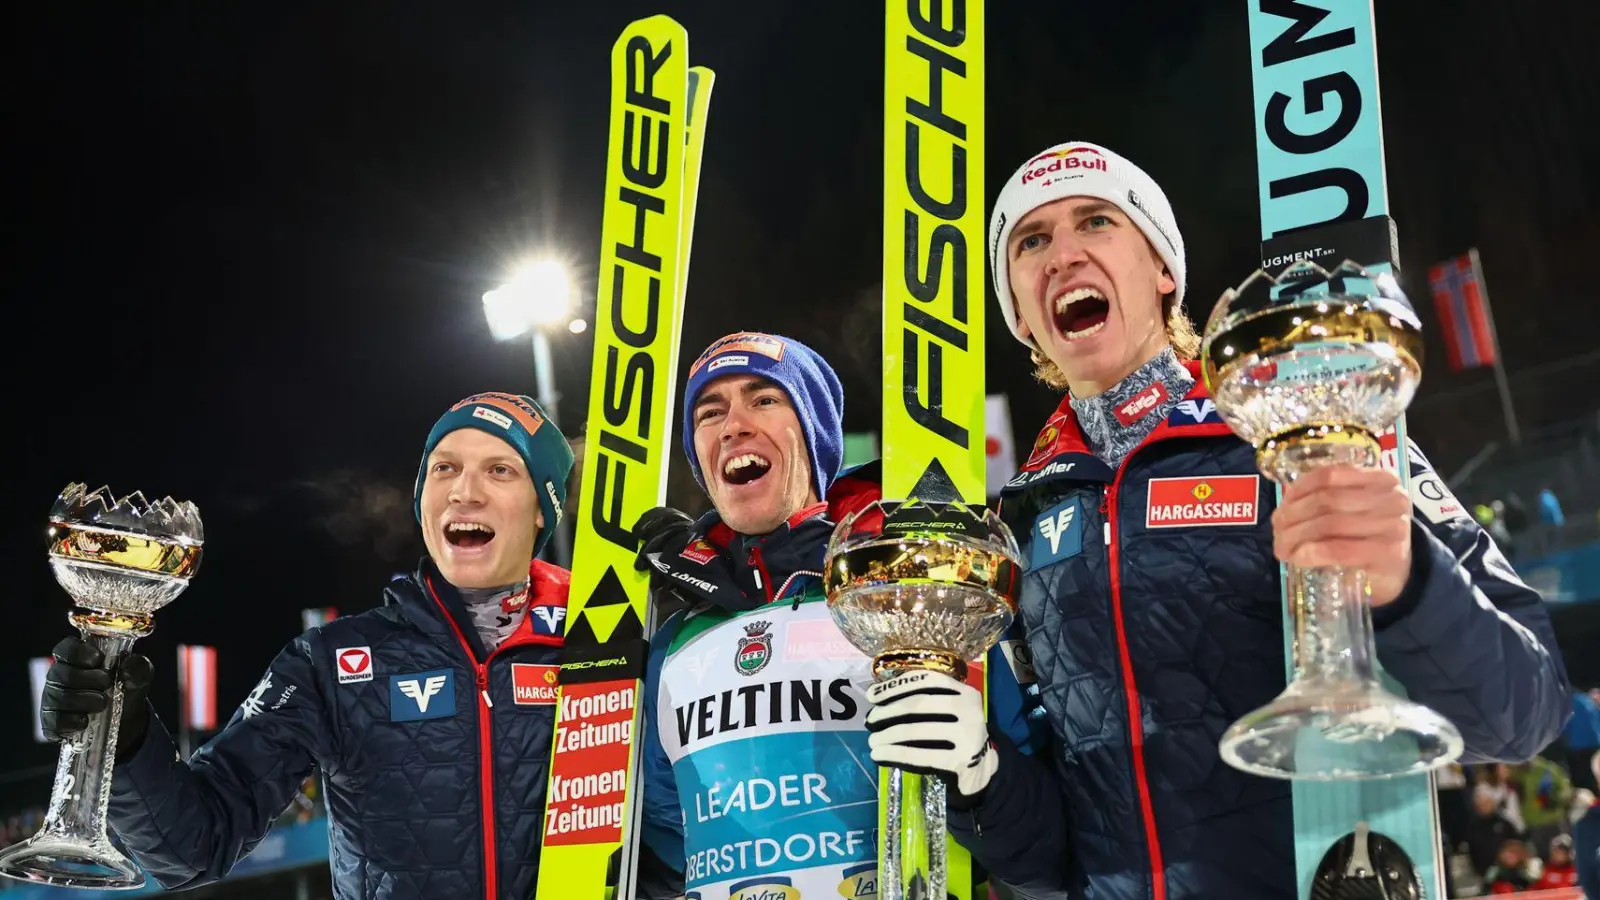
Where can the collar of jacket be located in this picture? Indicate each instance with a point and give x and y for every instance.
(1194, 416)
(796, 548)
(448, 620)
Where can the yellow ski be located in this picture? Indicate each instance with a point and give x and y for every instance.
(933, 305)
(594, 799)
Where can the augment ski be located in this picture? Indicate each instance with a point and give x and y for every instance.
(1324, 197)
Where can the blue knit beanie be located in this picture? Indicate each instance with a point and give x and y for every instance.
(522, 423)
(811, 384)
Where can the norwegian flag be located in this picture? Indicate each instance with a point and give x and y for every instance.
(197, 687)
(312, 618)
(1462, 302)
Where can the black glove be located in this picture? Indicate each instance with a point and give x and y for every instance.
(661, 530)
(78, 684)
(696, 575)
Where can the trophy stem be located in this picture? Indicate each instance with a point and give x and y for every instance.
(1333, 625)
(912, 865)
(73, 847)
(1335, 720)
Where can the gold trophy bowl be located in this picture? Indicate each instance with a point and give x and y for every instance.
(920, 586)
(1310, 368)
(120, 561)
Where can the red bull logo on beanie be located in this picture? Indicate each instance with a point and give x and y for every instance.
(1073, 159)
(742, 342)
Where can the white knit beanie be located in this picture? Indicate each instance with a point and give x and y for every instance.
(1078, 169)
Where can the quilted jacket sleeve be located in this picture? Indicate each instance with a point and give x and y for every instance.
(188, 823)
(1468, 638)
(1018, 830)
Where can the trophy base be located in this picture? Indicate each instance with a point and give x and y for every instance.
(1318, 731)
(66, 862)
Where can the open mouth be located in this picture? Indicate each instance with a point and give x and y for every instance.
(745, 468)
(468, 534)
(1080, 313)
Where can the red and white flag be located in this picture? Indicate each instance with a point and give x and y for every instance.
(197, 687)
(312, 618)
(1462, 303)
(37, 667)
(999, 449)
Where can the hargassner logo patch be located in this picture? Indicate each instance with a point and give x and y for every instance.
(1221, 500)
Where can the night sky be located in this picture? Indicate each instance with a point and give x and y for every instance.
(248, 242)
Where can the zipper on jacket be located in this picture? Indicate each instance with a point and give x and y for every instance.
(1158, 881)
(763, 580)
(486, 778)
(485, 749)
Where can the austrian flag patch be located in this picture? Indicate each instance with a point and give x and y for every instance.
(1221, 500)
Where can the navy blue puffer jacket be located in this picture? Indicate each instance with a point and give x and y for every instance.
(1152, 600)
(433, 754)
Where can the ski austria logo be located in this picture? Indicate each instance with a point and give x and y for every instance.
(355, 664)
(755, 649)
(489, 415)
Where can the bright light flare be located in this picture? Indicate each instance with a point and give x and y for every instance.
(539, 294)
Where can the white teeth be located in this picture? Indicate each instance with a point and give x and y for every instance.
(1074, 335)
(469, 526)
(742, 460)
(1073, 296)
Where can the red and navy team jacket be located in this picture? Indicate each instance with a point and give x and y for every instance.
(1154, 613)
(434, 754)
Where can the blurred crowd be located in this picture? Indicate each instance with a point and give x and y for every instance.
(1520, 531)
(1509, 828)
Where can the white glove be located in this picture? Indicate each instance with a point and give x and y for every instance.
(932, 724)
